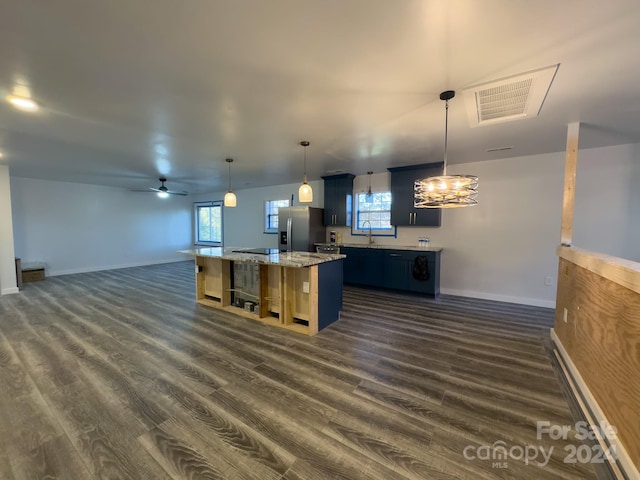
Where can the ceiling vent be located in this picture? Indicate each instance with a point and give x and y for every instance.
(512, 98)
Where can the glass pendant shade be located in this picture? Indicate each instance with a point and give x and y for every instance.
(369, 192)
(163, 194)
(305, 193)
(230, 199)
(446, 191)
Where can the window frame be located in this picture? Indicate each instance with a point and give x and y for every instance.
(376, 232)
(196, 217)
(267, 204)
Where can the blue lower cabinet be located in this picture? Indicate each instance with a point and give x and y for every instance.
(423, 279)
(362, 266)
(395, 270)
(407, 270)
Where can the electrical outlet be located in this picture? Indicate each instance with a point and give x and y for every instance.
(564, 315)
(305, 287)
(548, 281)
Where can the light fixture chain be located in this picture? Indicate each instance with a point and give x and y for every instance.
(305, 163)
(446, 135)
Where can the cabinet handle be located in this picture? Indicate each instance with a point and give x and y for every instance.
(395, 255)
(410, 214)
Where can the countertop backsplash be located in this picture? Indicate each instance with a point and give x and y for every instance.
(405, 237)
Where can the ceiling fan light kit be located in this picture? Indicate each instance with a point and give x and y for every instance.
(23, 103)
(230, 197)
(305, 193)
(446, 191)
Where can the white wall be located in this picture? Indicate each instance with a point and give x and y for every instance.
(607, 211)
(243, 226)
(77, 228)
(7, 260)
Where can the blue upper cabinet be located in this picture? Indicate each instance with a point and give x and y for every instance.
(338, 200)
(403, 213)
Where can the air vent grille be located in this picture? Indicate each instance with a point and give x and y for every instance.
(504, 100)
(508, 99)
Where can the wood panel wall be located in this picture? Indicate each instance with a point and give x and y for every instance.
(602, 337)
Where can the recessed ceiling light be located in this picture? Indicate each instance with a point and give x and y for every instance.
(23, 103)
(1, 154)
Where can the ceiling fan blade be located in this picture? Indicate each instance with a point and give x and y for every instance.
(161, 189)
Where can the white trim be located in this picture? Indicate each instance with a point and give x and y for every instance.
(535, 302)
(579, 386)
(55, 273)
(208, 203)
(271, 231)
(9, 291)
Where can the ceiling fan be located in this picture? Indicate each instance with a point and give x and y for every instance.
(162, 190)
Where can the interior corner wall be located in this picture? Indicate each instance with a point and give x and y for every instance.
(8, 282)
(607, 201)
(243, 225)
(73, 228)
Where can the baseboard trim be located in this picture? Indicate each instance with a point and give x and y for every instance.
(623, 467)
(535, 302)
(9, 290)
(55, 273)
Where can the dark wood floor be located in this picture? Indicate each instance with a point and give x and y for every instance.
(120, 375)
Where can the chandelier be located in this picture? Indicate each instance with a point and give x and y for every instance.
(446, 191)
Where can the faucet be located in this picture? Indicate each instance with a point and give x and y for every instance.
(370, 238)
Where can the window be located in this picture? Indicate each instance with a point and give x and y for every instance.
(373, 212)
(208, 223)
(271, 208)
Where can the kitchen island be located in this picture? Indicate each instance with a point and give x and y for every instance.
(299, 291)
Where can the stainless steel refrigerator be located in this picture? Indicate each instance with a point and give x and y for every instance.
(300, 228)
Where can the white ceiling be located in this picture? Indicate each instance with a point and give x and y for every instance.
(134, 89)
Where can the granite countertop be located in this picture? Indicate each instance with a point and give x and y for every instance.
(387, 247)
(284, 259)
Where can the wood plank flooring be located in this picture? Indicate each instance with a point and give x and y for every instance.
(121, 375)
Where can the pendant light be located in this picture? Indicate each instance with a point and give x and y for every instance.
(305, 194)
(230, 197)
(369, 192)
(446, 191)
